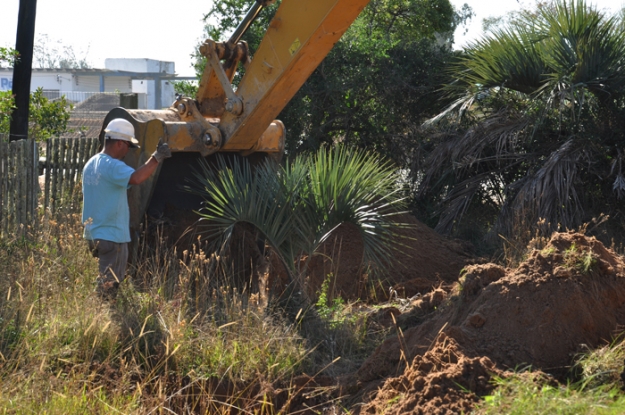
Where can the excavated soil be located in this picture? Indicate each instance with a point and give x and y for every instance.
(443, 380)
(564, 299)
(423, 260)
(471, 321)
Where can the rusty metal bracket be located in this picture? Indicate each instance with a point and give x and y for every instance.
(207, 137)
(234, 104)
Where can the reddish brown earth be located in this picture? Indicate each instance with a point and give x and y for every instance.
(424, 260)
(471, 321)
(443, 380)
(566, 297)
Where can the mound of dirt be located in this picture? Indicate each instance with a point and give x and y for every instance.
(563, 299)
(424, 261)
(442, 381)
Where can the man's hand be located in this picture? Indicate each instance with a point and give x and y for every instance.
(162, 152)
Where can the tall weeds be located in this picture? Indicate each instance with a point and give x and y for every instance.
(60, 345)
(182, 336)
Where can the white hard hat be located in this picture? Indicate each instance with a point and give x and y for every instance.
(121, 129)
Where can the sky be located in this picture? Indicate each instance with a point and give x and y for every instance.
(97, 30)
(160, 30)
(496, 8)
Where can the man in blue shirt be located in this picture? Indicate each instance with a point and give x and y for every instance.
(105, 213)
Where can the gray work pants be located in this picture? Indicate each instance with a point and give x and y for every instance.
(112, 258)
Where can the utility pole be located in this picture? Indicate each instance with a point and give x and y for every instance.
(22, 69)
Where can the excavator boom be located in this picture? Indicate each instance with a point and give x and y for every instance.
(298, 38)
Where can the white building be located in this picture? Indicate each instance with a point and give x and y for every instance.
(150, 79)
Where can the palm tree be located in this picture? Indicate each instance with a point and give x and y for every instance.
(297, 207)
(536, 130)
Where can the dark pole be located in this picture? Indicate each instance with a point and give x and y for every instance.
(22, 69)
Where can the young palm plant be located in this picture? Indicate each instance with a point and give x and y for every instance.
(296, 207)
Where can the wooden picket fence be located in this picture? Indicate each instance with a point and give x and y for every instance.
(18, 198)
(21, 191)
(64, 161)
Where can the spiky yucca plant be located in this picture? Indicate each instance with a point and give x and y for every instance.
(296, 207)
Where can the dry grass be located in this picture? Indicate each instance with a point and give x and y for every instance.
(186, 341)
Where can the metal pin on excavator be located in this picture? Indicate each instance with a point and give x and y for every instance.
(222, 120)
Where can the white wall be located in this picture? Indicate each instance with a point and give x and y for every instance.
(168, 95)
(68, 82)
(143, 102)
(142, 86)
(117, 83)
(84, 83)
(54, 80)
(6, 81)
(139, 65)
(148, 87)
(49, 81)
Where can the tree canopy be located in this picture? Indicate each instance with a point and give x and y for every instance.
(7, 55)
(50, 53)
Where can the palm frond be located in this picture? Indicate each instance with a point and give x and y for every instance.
(458, 201)
(235, 193)
(352, 186)
(550, 193)
(496, 140)
(297, 207)
(506, 58)
(582, 49)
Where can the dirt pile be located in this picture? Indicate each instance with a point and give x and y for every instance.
(569, 295)
(425, 260)
(442, 381)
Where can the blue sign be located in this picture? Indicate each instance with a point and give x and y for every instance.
(6, 84)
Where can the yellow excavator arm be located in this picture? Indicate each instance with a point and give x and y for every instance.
(298, 38)
(228, 120)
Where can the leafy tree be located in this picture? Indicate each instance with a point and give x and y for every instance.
(6, 98)
(7, 55)
(536, 130)
(46, 118)
(48, 53)
(6, 109)
(186, 88)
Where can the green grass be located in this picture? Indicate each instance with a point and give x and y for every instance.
(63, 396)
(584, 261)
(599, 389)
(526, 395)
(187, 339)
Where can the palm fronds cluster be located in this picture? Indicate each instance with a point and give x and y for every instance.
(537, 127)
(296, 207)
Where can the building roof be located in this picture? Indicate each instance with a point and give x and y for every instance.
(105, 72)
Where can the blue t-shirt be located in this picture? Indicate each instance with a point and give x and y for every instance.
(105, 212)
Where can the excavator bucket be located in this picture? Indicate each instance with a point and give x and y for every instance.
(162, 199)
